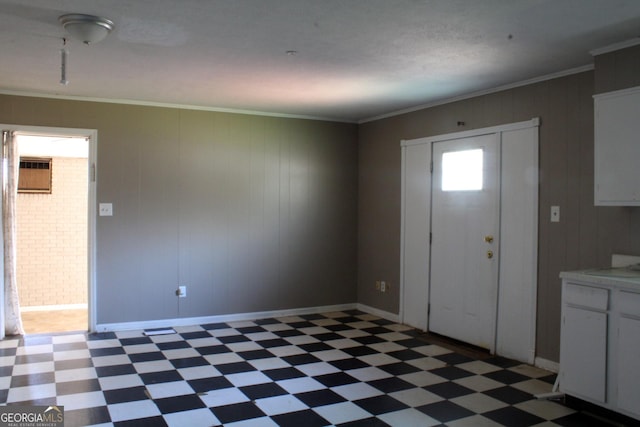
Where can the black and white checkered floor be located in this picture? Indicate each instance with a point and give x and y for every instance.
(343, 368)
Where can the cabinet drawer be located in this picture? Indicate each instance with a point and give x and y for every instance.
(629, 303)
(586, 296)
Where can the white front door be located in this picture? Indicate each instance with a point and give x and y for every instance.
(465, 243)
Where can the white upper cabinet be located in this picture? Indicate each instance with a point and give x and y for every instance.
(617, 148)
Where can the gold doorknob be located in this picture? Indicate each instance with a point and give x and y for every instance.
(489, 254)
(488, 239)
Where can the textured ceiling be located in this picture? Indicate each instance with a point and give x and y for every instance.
(356, 59)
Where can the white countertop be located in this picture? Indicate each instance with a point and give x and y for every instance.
(621, 277)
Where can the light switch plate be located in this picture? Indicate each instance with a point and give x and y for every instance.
(105, 209)
(555, 213)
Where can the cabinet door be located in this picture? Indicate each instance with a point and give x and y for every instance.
(583, 354)
(617, 148)
(628, 355)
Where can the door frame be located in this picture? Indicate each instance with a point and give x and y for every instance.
(92, 136)
(515, 331)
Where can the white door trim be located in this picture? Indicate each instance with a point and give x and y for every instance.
(92, 135)
(535, 122)
(415, 229)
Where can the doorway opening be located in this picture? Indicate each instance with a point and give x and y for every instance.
(52, 233)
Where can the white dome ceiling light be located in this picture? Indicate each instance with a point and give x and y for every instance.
(88, 29)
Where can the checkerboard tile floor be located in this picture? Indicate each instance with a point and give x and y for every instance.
(343, 368)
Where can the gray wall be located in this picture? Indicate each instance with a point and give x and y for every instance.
(252, 213)
(586, 236)
(617, 70)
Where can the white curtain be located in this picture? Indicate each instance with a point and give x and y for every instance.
(11, 160)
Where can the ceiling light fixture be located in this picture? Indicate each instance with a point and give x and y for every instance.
(88, 29)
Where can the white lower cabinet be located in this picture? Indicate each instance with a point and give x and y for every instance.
(585, 337)
(600, 342)
(628, 353)
(628, 359)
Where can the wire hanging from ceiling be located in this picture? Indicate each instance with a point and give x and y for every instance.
(63, 62)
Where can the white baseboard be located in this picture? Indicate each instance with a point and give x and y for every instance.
(223, 318)
(377, 312)
(53, 307)
(547, 364)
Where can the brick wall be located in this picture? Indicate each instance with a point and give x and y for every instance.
(52, 238)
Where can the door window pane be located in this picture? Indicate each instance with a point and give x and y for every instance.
(462, 170)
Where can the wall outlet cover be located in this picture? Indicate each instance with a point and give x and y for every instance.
(105, 209)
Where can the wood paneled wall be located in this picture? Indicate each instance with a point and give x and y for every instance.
(251, 213)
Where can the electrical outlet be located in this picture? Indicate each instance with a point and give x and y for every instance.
(383, 286)
(181, 292)
(105, 209)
